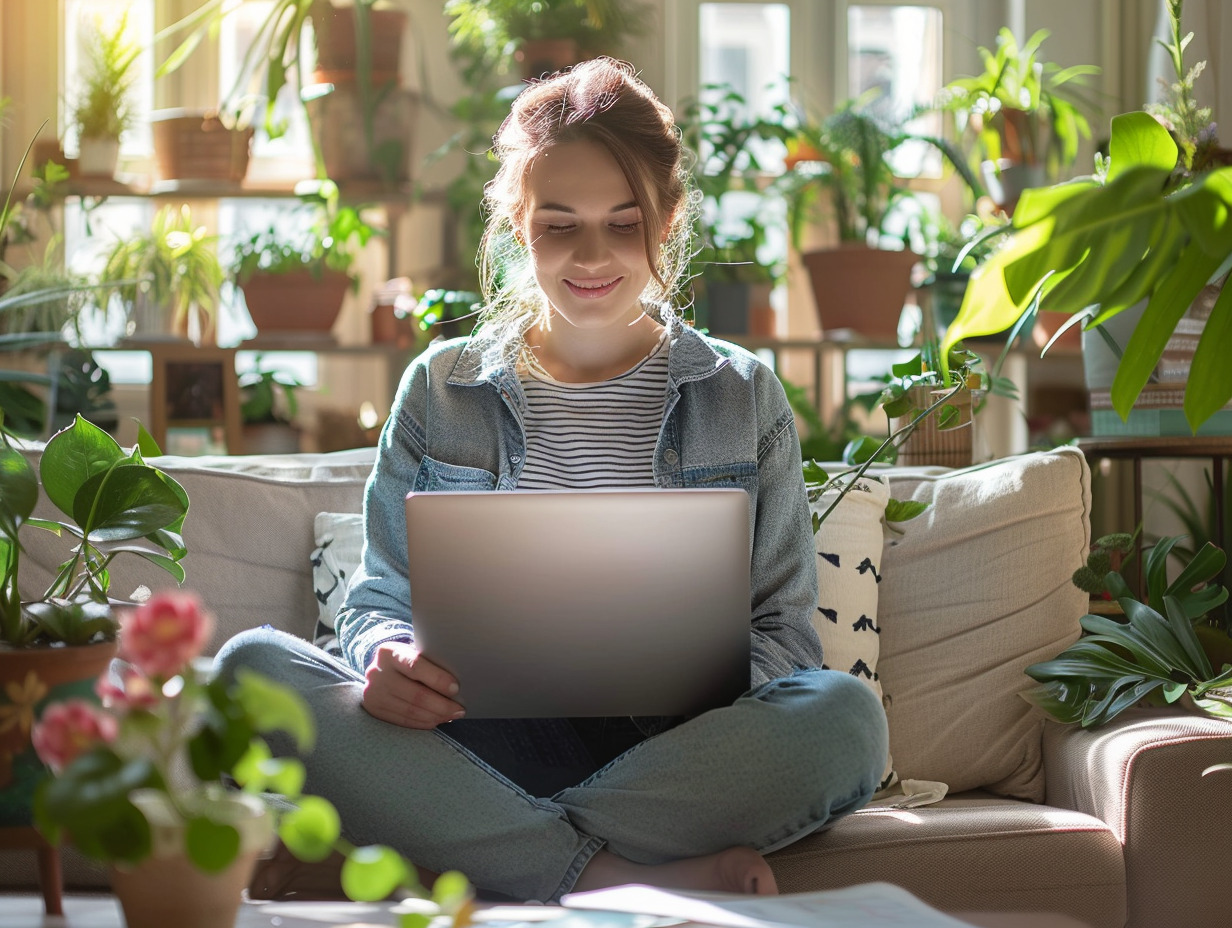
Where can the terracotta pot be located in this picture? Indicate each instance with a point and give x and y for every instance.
(929, 446)
(296, 301)
(31, 679)
(860, 288)
(336, 44)
(167, 888)
(191, 145)
(163, 891)
(538, 57)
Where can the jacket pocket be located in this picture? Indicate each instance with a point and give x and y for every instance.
(739, 475)
(437, 475)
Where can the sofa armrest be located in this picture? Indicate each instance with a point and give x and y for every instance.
(1142, 775)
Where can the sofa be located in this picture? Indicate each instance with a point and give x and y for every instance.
(991, 806)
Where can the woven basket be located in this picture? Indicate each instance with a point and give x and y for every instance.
(929, 446)
(191, 145)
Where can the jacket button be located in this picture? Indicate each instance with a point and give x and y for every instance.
(515, 458)
(670, 456)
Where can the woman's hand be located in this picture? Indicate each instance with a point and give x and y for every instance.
(407, 689)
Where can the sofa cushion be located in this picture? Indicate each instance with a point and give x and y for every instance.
(849, 547)
(339, 537)
(248, 532)
(972, 592)
(973, 852)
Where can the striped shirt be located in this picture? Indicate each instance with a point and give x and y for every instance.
(591, 435)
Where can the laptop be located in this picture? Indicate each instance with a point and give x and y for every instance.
(564, 603)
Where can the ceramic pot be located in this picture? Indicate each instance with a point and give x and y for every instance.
(98, 157)
(1005, 180)
(538, 57)
(861, 289)
(167, 888)
(31, 679)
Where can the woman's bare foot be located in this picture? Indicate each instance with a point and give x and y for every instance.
(735, 870)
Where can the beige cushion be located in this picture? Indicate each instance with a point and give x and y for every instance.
(972, 592)
(973, 852)
(249, 536)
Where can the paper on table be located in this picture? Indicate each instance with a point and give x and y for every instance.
(868, 905)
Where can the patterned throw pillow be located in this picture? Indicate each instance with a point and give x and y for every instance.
(849, 545)
(339, 540)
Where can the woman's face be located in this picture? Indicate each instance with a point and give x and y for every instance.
(584, 231)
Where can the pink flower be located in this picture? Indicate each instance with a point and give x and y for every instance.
(164, 633)
(135, 691)
(68, 729)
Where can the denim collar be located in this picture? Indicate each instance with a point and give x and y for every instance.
(691, 357)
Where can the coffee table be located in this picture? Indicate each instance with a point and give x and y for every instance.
(101, 911)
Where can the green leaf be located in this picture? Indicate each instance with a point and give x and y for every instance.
(310, 830)
(1210, 375)
(249, 771)
(451, 890)
(1138, 140)
(414, 920)
(18, 491)
(146, 443)
(128, 501)
(1197, 665)
(372, 873)
(815, 474)
(903, 510)
(274, 707)
(72, 456)
(1171, 297)
(212, 846)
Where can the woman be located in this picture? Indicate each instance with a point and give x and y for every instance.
(587, 241)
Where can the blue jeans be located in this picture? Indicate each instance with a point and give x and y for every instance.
(782, 761)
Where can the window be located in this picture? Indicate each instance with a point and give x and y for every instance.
(80, 18)
(894, 56)
(289, 155)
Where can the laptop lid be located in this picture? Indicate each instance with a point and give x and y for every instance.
(557, 603)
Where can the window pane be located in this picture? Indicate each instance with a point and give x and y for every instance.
(894, 54)
(745, 45)
(292, 151)
(81, 18)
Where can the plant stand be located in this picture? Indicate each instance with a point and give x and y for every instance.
(51, 881)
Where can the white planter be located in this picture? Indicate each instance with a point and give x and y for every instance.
(98, 157)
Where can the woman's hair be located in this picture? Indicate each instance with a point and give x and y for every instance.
(600, 101)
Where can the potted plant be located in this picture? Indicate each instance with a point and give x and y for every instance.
(268, 406)
(361, 118)
(297, 282)
(840, 169)
(737, 266)
(1024, 116)
(168, 279)
(141, 783)
(54, 641)
(541, 37)
(1150, 654)
(102, 109)
(195, 145)
(447, 313)
(1147, 231)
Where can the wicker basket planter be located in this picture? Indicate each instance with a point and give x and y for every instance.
(193, 145)
(929, 446)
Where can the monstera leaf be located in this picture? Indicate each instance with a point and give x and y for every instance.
(1093, 247)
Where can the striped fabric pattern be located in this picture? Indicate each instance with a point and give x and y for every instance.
(594, 435)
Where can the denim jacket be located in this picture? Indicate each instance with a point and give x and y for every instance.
(457, 425)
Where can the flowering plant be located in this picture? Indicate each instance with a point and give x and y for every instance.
(149, 772)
